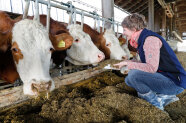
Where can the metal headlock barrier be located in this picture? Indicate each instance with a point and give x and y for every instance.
(72, 10)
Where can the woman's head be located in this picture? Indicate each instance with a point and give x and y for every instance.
(134, 22)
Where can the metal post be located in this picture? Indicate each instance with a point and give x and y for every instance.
(74, 16)
(32, 8)
(103, 25)
(70, 15)
(108, 11)
(57, 13)
(25, 13)
(112, 26)
(36, 16)
(98, 26)
(11, 5)
(117, 30)
(151, 14)
(22, 6)
(163, 28)
(95, 19)
(41, 8)
(48, 16)
(82, 20)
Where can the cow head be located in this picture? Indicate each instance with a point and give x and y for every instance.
(122, 40)
(83, 51)
(31, 49)
(112, 43)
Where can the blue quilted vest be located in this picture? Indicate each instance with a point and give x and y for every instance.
(169, 65)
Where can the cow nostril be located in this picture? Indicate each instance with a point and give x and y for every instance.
(41, 87)
(34, 87)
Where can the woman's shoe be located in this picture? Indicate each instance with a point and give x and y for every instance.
(152, 98)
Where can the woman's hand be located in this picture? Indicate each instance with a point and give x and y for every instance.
(120, 65)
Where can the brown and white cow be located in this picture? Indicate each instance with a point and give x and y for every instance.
(81, 52)
(131, 51)
(107, 42)
(124, 46)
(25, 50)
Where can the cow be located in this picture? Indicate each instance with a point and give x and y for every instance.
(25, 51)
(107, 42)
(124, 46)
(131, 51)
(81, 52)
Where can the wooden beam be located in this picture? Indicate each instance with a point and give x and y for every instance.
(163, 28)
(125, 3)
(143, 8)
(140, 6)
(180, 8)
(15, 95)
(181, 14)
(134, 5)
(181, 3)
(169, 11)
(183, 22)
(177, 36)
(151, 14)
(146, 10)
(116, 2)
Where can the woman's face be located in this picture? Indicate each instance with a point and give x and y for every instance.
(128, 33)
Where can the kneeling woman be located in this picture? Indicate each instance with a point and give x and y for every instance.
(159, 76)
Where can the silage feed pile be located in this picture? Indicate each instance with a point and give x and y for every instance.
(104, 98)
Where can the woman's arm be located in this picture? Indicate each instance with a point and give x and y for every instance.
(151, 48)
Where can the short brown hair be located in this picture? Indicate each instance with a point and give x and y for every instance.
(134, 21)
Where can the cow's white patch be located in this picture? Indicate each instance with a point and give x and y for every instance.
(83, 51)
(126, 50)
(116, 52)
(33, 41)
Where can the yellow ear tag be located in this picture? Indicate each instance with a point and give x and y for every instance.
(120, 43)
(61, 44)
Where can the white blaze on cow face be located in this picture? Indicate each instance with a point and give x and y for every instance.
(32, 43)
(83, 51)
(116, 52)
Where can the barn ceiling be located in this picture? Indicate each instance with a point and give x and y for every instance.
(141, 6)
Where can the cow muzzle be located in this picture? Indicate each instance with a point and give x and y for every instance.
(101, 57)
(41, 87)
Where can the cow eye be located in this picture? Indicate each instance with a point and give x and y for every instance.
(108, 45)
(77, 40)
(51, 49)
(14, 49)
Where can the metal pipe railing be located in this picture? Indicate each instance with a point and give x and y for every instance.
(69, 7)
(72, 14)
